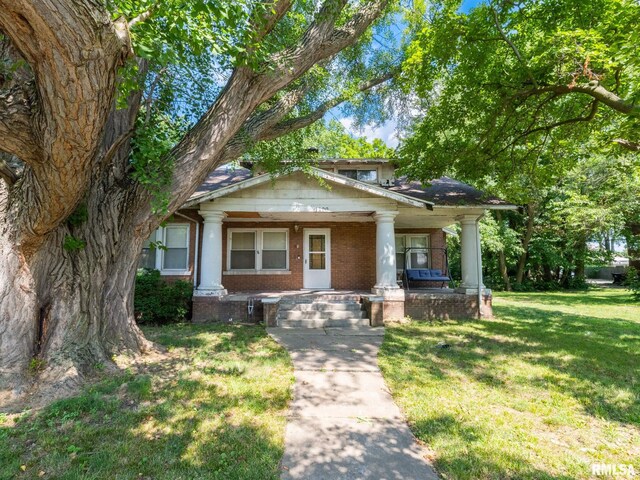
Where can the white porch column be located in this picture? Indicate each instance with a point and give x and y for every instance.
(385, 252)
(211, 256)
(470, 255)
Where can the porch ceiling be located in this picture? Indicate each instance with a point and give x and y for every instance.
(299, 217)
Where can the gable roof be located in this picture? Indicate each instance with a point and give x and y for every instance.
(227, 179)
(439, 192)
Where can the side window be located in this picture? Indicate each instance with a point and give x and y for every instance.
(419, 252)
(148, 257)
(176, 241)
(400, 245)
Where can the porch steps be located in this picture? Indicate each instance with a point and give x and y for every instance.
(320, 313)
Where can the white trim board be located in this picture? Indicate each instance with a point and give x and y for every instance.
(323, 174)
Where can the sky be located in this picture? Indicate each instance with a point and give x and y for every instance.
(388, 131)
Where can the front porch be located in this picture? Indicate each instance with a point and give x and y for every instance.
(419, 304)
(264, 246)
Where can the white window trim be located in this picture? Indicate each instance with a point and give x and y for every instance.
(160, 236)
(361, 167)
(407, 237)
(258, 253)
(160, 251)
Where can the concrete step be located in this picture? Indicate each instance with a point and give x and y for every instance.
(315, 314)
(323, 306)
(327, 297)
(324, 323)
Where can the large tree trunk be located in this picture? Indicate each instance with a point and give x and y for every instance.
(66, 312)
(528, 233)
(581, 254)
(502, 262)
(633, 245)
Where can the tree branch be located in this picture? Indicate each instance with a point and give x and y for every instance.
(74, 57)
(200, 151)
(16, 128)
(291, 125)
(593, 89)
(269, 125)
(628, 145)
(264, 24)
(513, 47)
(140, 18)
(7, 173)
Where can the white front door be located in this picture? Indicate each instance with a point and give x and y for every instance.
(317, 258)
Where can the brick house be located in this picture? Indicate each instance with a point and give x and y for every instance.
(347, 227)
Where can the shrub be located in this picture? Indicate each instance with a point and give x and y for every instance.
(160, 302)
(632, 282)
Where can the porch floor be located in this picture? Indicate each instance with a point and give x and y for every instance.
(310, 294)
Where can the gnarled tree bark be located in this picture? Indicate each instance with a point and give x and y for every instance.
(64, 310)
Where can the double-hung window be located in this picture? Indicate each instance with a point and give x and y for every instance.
(417, 248)
(258, 249)
(176, 252)
(167, 250)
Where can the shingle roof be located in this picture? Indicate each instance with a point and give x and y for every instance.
(222, 177)
(443, 191)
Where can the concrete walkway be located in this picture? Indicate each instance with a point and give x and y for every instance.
(343, 423)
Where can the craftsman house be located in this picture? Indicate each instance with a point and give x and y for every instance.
(348, 232)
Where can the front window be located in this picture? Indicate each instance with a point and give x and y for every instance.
(417, 248)
(259, 249)
(243, 250)
(369, 176)
(274, 250)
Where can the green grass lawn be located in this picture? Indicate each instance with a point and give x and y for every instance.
(215, 408)
(545, 389)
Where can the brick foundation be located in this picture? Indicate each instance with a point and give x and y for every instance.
(221, 309)
(442, 306)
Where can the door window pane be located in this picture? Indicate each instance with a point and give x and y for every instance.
(317, 261)
(316, 243)
(175, 241)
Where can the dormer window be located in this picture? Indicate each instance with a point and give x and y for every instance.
(363, 175)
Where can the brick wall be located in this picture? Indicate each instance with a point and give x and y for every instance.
(442, 306)
(353, 261)
(220, 309)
